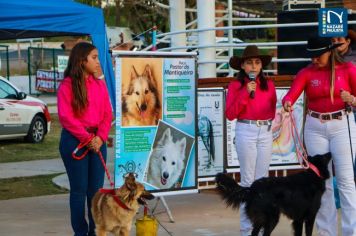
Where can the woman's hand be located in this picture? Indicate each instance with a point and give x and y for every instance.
(288, 106)
(251, 86)
(95, 144)
(347, 97)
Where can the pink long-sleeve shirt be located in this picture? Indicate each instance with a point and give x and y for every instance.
(240, 106)
(98, 113)
(316, 84)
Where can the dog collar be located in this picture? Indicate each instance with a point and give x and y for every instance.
(314, 169)
(116, 198)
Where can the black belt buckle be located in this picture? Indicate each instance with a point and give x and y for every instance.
(325, 116)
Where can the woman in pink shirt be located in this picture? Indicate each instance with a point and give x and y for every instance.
(251, 99)
(84, 112)
(329, 85)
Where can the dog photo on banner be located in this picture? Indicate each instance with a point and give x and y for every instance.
(168, 158)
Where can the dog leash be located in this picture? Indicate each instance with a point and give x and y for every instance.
(85, 152)
(302, 155)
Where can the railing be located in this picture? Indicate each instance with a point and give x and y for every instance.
(222, 48)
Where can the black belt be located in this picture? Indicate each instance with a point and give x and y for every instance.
(327, 116)
(256, 122)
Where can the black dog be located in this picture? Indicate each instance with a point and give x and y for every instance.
(297, 196)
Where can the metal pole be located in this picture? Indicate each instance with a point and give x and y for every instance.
(206, 19)
(169, 213)
(29, 68)
(230, 35)
(7, 63)
(54, 71)
(350, 139)
(177, 23)
(154, 38)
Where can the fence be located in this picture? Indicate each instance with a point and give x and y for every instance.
(4, 61)
(44, 69)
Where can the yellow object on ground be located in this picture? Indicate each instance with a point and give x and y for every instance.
(146, 226)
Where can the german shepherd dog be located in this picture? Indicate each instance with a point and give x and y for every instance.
(114, 212)
(297, 196)
(140, 103)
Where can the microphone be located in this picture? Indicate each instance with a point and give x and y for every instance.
(252, 77)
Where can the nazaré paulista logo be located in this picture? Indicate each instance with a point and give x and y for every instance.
(332, 22)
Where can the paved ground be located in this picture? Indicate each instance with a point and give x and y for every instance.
(194, 214)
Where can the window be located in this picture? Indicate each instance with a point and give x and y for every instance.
(7, 91)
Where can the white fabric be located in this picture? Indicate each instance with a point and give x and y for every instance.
(333, 136)
(254, 150)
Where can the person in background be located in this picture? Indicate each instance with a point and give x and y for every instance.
(329, 85)
(345, 50)
(85, 114)
(251, 99)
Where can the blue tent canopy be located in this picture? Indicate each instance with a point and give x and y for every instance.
(48, 18)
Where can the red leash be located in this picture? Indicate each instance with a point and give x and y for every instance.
(85, 152)
(102, 190)
(116, 198)
(302, 155)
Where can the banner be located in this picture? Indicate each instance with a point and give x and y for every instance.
(48, 81)
(62, 62)
(211, 133)
(284, 152)
(155, 119)
(283, 149)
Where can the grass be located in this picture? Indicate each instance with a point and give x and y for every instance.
(29, 187)
(18, 150)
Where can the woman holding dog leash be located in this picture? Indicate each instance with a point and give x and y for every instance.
(329, 84)
(251, 99)
(85, 114)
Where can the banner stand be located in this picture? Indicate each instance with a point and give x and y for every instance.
(169, 213)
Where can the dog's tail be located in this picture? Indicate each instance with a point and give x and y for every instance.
(232, 193)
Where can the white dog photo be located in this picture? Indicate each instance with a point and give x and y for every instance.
(168, 159)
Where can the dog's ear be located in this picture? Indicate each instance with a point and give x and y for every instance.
(182, 144)
(134, 73)
(148, 73)
(131, 185)
(166, 137)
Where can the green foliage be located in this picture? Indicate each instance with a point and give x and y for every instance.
(28, 187)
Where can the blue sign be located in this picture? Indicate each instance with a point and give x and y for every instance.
(332, 22)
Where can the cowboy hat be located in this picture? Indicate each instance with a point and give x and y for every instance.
(318, 45)
(250, 51)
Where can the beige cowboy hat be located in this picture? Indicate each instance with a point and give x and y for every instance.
(250, 51)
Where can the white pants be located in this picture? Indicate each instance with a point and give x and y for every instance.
(333, 136)
(254, 150)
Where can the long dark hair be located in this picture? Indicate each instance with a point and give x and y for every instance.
(263, 81)
(75, 70)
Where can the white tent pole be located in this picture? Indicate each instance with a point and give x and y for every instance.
(230, 35)
(206, 19)
(177, 23)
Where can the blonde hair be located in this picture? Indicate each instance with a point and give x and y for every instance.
(334, 58)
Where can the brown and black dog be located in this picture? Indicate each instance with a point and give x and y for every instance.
(113, 211)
